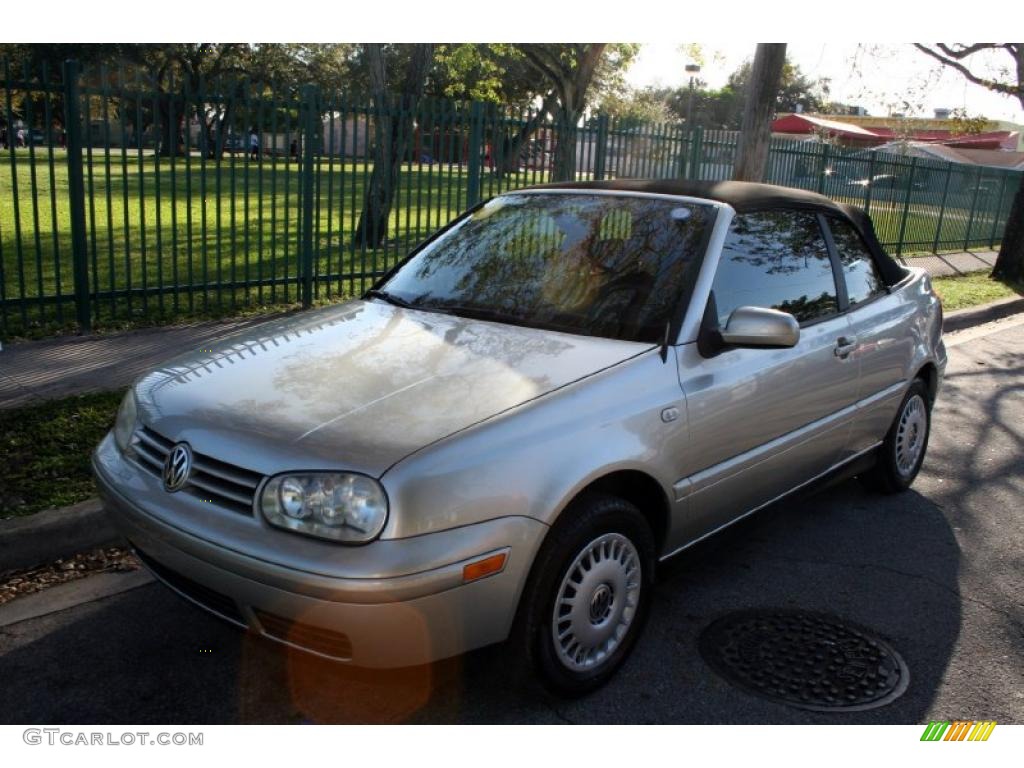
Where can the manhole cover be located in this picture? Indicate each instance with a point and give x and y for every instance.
(808, 660)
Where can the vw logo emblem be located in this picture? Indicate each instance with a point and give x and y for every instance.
(177, 467)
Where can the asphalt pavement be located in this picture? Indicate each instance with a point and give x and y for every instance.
(938, 572)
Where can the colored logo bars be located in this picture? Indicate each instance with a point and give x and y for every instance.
(958, 730)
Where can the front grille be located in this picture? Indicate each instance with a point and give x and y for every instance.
(207, 598)
(323, 641)
(210, 480)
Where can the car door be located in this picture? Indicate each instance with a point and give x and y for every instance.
(879, 325)
(764, 421)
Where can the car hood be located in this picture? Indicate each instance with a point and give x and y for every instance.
(358, 386)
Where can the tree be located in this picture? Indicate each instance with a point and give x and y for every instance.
(392, 133)
(1009, 82)
(29, 61)
(963, 124)
(755, 131)
(723, 107)
(542, 80)
(170, 69)
(637, 106)
(492, 72)
(796, 91)
(177, 70)
(568, 70)
(574, 73)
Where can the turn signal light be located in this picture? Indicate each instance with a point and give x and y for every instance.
(484, 567)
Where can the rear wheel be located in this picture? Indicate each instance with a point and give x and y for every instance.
(587, 597)
(901, 454)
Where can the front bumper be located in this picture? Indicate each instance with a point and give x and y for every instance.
(386, 604)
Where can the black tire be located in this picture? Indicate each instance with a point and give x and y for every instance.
(887, 476)
(590, 518)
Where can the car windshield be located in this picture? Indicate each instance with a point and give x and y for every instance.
(598, 265)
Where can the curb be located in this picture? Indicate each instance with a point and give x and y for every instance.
(47, 536)
(986, 313)
(54, 533)
(60, 597)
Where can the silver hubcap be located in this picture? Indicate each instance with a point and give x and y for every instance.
(910, 434)
(596, 602)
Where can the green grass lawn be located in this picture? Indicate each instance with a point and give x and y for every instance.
(970, 290)
(45, 448)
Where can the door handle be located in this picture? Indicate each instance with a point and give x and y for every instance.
(845, 345)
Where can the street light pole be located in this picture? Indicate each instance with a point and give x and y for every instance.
(692, 69)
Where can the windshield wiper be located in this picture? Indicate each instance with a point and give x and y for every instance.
(470, 312)
(398, 301)
(483, 313)
(390, 298)
(474, 313)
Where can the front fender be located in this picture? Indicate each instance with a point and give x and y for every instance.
(533, 460)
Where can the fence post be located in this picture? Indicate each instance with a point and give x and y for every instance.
(974, 207)
(76, 196)
(906, 206)
(308, 146)
(684, 153)
(997, 209)
(871, 175)
(696, 150)
(826, 153)
(475, 148)
(601, 153)
(942, 207)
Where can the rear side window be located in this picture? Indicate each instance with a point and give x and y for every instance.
(863, 281)
(776, 259)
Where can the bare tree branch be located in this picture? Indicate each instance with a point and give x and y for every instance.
(1010, 261)
(954, 62)
(966, 50)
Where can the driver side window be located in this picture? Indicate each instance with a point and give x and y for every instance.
(778, 260)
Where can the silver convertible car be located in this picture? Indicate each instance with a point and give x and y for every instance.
(502, 438)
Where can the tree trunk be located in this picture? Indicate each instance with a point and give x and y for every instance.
(564, 166)
(390, 146)
(392, 136)
(1010, 262)
(167, 132)
(755, 131)
(223, 126)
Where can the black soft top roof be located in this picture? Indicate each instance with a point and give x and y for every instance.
(745, 196)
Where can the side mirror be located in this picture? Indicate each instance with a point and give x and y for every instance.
(760, 327)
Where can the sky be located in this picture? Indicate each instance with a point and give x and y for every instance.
(879, 77)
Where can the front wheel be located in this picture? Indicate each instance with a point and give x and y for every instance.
(587, 597)
(901, 454)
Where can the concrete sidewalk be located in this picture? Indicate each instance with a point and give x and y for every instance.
(945, 264)
(34, 371)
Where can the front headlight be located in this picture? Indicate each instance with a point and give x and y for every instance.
(124, 425)
(340, 506)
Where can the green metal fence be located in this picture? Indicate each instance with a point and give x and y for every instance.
(135, 201)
